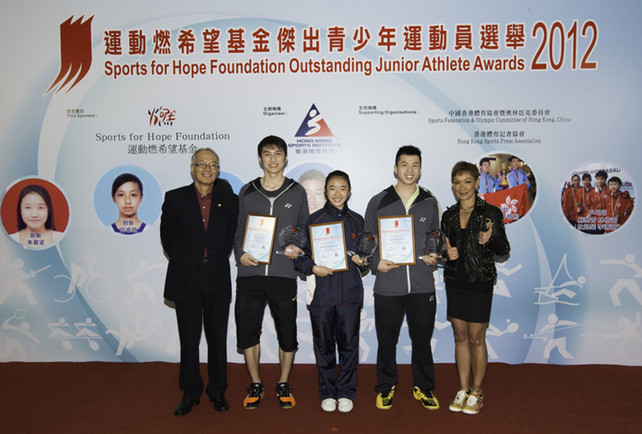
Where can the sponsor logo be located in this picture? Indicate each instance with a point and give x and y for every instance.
(314, 125)
(159, 116)
(75, 53)
(314, 137)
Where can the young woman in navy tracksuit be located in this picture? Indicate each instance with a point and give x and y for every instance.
(335, 309)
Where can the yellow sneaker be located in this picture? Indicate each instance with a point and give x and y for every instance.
(384, 399)
(428, 400)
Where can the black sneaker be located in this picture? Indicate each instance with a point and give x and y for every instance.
(284, 393)
(254, 395)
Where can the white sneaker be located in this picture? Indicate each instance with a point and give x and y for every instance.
(459, 402)
(474, 403)
(345, 405)
(329, 405)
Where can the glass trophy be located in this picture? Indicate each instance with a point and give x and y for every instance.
(365, 246)
(291, 236)
(435, 242)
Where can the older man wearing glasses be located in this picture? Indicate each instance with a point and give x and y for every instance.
(197, 232)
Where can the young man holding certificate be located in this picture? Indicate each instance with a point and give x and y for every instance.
(402, 215)
(269, 206)
(335, 308)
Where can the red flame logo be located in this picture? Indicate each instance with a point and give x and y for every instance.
(75, 52)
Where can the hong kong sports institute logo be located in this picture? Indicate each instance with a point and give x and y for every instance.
(75, 52)
(314, 125)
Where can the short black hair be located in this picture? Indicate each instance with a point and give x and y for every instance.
(462, 167)
(586, 176)
(272, 141)
(408, 150)
(615, 179)
(484, 160)
(601, 174)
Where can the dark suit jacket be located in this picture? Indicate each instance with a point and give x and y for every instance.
(184, 240)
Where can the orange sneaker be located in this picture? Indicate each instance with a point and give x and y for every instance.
(254, 395)
(284, 393)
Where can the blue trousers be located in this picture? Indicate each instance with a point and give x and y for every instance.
(336, 328)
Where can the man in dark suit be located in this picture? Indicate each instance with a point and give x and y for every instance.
(197, 232)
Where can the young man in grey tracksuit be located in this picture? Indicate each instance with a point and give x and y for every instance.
(273, 283)
(405, 289)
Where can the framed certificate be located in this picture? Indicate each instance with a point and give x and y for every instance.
(397, 240)
(329, 245)
(258, 238)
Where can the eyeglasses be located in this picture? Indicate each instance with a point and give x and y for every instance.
(203, 166)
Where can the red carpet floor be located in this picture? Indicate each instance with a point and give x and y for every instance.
(140, 398)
